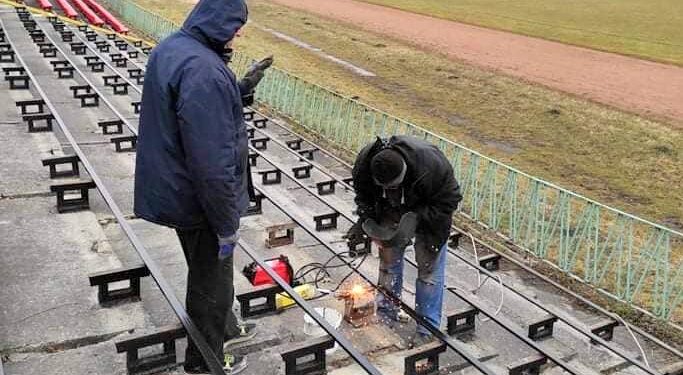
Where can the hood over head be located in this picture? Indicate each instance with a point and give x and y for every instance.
(215, 22)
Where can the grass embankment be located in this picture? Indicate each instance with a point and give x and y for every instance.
(647, 29)
(621, 159)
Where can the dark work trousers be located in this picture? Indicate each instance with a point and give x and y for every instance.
(210, 292)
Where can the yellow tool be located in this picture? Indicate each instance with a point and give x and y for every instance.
(283, 300)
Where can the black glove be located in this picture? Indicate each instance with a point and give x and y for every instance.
(254, 75)
(356, 235)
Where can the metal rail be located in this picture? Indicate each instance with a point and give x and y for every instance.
(92, 85)
(508, 257)
(343, 342)
(212, 361)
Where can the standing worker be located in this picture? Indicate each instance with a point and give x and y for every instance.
(191, 170)
(405, 188)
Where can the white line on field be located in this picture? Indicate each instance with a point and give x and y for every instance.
(318, 51)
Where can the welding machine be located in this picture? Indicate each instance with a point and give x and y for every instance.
(257, 276)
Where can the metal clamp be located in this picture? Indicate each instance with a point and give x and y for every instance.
(269, 293)
(119, 143)
(25, 105)
(275, 239)
(60, 160)
(271, 176)
(326, 221)
(543, 328)
(462, 321)
(106, 126)
(260, 143)
(302, 171)
(35, 118)
(295, 359)
(326, 187)
(294, 144)
(151, 363)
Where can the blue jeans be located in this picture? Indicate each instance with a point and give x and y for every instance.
(429, 283)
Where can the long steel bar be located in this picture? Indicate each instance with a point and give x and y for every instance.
(94, 88)
(511, 259)
(435, 331)
(621, 353)
(196, 336)
(531, 343)
(306, 306)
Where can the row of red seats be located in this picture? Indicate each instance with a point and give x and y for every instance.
(98, 17)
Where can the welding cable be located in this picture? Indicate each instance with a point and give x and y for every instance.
(481, 283)
(642, 351)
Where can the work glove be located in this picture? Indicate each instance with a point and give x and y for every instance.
(355, 236)
(226, 246)
(254, 75)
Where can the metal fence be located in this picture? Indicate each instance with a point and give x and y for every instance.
(624, 256)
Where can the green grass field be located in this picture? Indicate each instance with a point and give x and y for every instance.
(651, 29)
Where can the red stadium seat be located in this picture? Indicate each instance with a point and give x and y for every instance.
(108, 17)
(92, 17)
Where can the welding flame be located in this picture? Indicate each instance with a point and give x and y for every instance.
(357, 290)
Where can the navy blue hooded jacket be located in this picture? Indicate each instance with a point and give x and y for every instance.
(191, 167)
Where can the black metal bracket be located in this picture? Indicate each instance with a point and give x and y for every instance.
(6, 56)
(119, 143)
(91, 37)
(25, 105)
(326, 187)
(137, 43)
(146, 50)
(542, 328)
(528, 366)
(275, 239)
(61, 160)
(120, 62)
(153, 363)
(302, 171)
(348, 181)
(104, 278)
(490, 262)
(96, 66)
(109, 80)
(107, 125)
(37, 36)
(120, 88)
(80, 90)
(136, 107)
(34, 118)
(72, 204)
(18, 82)
(64, 72)
(83, 28)
(250, 132)
(361, 248)
(294, 144)
(67, 36)
(454, 239)
(604, 329)
(133, 54)
(90, 59)
(135, 72)
(248, 115)
(78, 48)
(308, 153)
(121, 45)
(296, 362)
(48, 50)
(462, 321)
(58, 26)
(104, 48)
(89, 100)
(260, 123)
(326, 221)
(248, 310)
(260, 143)
(255, 206)
(271, 176)
(429, 352)
(252, 158)
(111, 36)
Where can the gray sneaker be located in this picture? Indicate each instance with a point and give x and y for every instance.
(247, 332)
(234, 364)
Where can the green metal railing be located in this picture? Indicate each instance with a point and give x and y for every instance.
(618, 253)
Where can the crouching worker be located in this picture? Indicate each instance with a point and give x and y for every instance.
(191, 170)
(405, 189)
